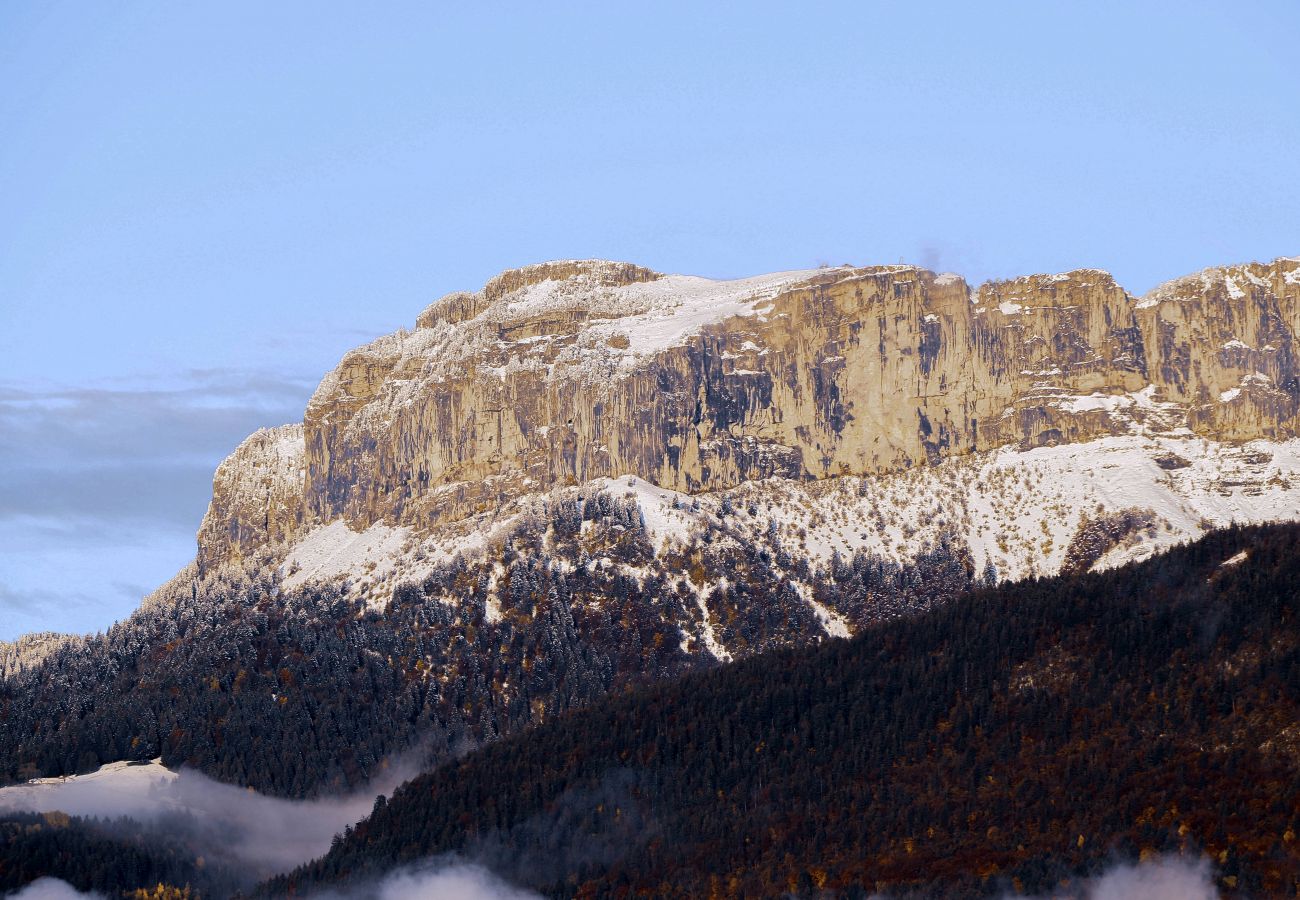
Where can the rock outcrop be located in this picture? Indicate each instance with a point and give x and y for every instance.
(1223, 341)
(569, 371)
(257, 498)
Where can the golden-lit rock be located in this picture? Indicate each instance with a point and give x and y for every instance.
(564, 372)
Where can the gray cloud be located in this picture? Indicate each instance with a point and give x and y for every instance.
(63, 525)
(72, 501)
(113, 472)
(30, 600)
(202, 415)
(25, 609)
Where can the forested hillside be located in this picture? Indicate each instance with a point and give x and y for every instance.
(28, 651)
(303, 692)
(1002, 741)
(114, 858)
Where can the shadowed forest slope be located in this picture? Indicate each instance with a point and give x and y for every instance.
(1005, 740)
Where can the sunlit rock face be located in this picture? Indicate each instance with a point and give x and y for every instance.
(1223, 341)
(257, 496)
(568, 371)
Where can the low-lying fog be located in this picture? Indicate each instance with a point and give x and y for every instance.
(227, 823)
(258, 835)
(265, 835)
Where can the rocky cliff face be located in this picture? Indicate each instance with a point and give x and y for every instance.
(570, 371)
(257, 497)
(1223, 341)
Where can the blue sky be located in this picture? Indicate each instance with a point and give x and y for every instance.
(205, 205)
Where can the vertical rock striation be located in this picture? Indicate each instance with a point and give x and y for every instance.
(568, 371)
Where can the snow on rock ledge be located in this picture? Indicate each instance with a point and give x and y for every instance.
(568, 372)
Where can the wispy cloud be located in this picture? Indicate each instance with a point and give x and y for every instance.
(252, 834)
(112, 472)
(201, 413)
(30, 601)
(257, 835)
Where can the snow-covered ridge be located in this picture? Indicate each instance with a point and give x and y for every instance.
(592, 319)
(652, 315)
(681, 305)
(1054, 277)
(581, 326)
(1018, 511)
(1234, 281)
(575, 370)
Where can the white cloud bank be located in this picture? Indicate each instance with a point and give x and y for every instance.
(444, 880)
(1165, 878)
(51, 889)
(268, 835)
(1168, 877)
(263, 835)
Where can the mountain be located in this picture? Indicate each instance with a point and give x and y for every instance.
(1012, 739)
(588, 476)
(567, 373)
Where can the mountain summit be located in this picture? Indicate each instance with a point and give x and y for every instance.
(567, 372)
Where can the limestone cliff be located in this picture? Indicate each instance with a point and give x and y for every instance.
(569, 371)
(257, 496)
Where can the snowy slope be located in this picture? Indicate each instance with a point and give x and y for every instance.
(117, 786)
(1019, 510)
(652, 315)
(1016, 510)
